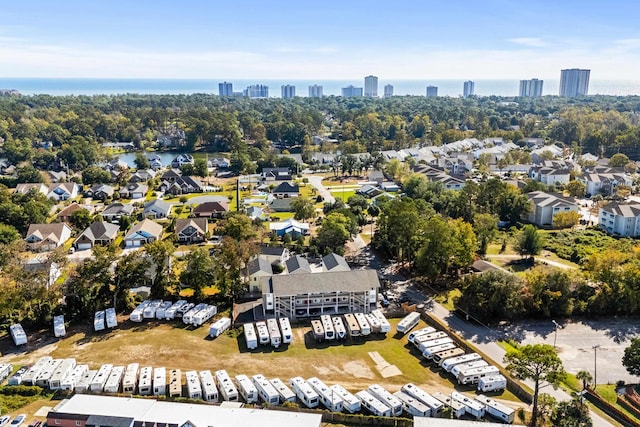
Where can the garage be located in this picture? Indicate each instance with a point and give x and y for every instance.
(83, 246)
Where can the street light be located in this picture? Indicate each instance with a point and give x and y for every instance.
(595, 365)
(555, 336)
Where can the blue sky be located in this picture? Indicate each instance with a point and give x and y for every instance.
(242, 39)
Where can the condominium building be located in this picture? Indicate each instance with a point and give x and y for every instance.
(620, 219)
(432, 91)
(371, 87)
(388, 91)
(315, 91)
(288, 91)
(469, 89)
(574, 82)
(257, 91)
(531, 87)
(351, 91)
(225, 89)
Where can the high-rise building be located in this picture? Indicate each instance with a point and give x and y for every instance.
(288, 91)
(225, 89)
(388, 91)
(371, 87)
(315, 91)
(574, 82)
(432, 91)
(469, 89)
(351, 91)
(257, 91)
(531, 87)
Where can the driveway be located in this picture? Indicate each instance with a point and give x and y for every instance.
(316, 182)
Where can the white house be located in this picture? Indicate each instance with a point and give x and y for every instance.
(604, 183)
(256, 268)
(621, 219)
(546, 206)
(550, 176)
(47, 237)
(146, 231)
(63, 191)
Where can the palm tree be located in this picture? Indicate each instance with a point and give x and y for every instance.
(585, 377)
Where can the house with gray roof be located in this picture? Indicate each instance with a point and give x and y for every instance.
(115, 210)
(286, 190)
(546, 206)
(191, 230)
(621, 219)
(100, 191)
(142, 175)
(134, 190)
(47, 237)
(146, 231)
(157, 209)
(258, 267)
(99, 233)
(334, 262)
(63, 191)
(297, 265)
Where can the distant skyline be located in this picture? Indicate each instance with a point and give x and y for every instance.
(283, 39)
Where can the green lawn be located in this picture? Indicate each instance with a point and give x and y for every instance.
(447, 299)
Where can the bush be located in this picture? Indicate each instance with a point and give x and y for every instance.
(20, 390)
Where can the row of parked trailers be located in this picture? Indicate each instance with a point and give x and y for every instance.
(191, 314)
(329, 328)
(272, 332)
(104, 319)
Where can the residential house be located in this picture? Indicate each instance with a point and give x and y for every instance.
(134, 190)
(291, 227)
(255, 212)
(171, 175)
(621, 219)
(588, 158)
(116, 164)
(276, 174)
(57, 176)
(550, 175)
(99, 233)
(334, 262)
(275, 254)
(258, 267)
(157, 209)
(297, 265)
(142, 175)
(65, 214)
(63, 191)
(376, 176)
(47, 237)
(286, 190)
(456, 165)
(50, 268)
(6, 168)
(155, 162)
(27, 187)
(380, 198)
(368, 190)
(546, 206)
(219, 162)
(115, 210)
(389, 186)
(280, 205)
(191, 230)
(432, 174)
(182, 159)
(216, 209)
(100, 191)
(183, 185)
(146, 231)
(543, 153)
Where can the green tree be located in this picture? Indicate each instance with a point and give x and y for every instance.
(199, 272)
(618, 160)
(566, 219)
(492, 296)
(141, 161)
(585, 377)
(130, 272)
(237, 226)
(95, 175)
(303, 208)
(571, 413)
(28, 174)
(576, 188)
(160, 253)
(486, 228)
(536, 362)
(529, 242)
(8, 234)
(631, 358)
(200, 167)
(333, 233)
(187, 169)
(81, 219)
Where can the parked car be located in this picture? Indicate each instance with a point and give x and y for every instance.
(4, 420)
(17, 421)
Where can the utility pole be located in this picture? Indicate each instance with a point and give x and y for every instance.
(555, 337)
(595, 365)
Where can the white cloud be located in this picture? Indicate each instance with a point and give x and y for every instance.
(529, 41)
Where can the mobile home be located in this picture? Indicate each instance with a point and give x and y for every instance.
(84, 383)
(246, 389)
(317, 329)
(219, 326)
(274, 333)
(329, 399)
(408, 322)
(285, 328)
(473, 375)
(204, 315)
(194, 389)
(161, 311)
(365, 328)
(494, 383)
(327, 325)
(250, 336)
(428, 353)
(29, 377)
(228, 390)
(47, 371)
(59, 329)
(160, 382)
(422, 331)
(470, 365)
(189, 316)
(424, 397)
(111, 317)
(385, 326)
(472, 407)
(61, 372)
(417, 340)
(170, 313)
(263, 333)
(353, 327)
(70, 381)
(285, 393)
(349, 401)
(136, 314)
(16, 378)
(209, 389)
(149, 312)
(114, 380)
(387, 398)
(145, 383)
(497, 409)
(18, 334)
(266, 391)
(180, 312)
(412, 405)
(338, 326)
(448, 364)
(130, 378)
(457, 408)
(373, 322)
(440, 357)
(305, 392)
(98, 382)
(98, 321)
(424, 345)
(175, 383)
(373, 405)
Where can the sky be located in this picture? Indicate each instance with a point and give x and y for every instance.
(302, 39)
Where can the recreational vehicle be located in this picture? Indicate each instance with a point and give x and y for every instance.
(227, 389)
(47, 371)
(111, 317)
(98, 382)
(472, 407)
(440, 357)
(338, 326)
(428, 353)
(266, 391)
(408, 322)
(145, 383)
(149, 312)
(373, 322)
(63, 369)
(285, 328)
(170, 313)
(448, 364)
(209, 390)
(194, 389)
(274, 333)
(219, 326)
(373, 405)
(466, 366)
(160, 382)
(18, 334)
(29, 377)
(473, 375)
(327, 325)
(98, 321)
(16, 378)
(84, 383)
(365, 328)
(250, 336)
(70, 381)
(434, 343)
(114, 380)
(497, 409)
(349, 401)
(494, 383)
(353, 327)
(385, 326)
(421, 331)
(136, 314)
(424, 397)
(130, 378)
(188, 317)
(329, 399)
(387, 398)
(5, 370)
(161, 311)
(180, 312)
(175, 383)
(59, 329)
(263, 333)
(246, 389)
(204, 315)
(412, 405)
(285, 393)
(305, 392)
(457, 408)
(317, 329)
(417, 341)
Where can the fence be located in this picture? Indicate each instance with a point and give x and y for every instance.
(349, 419)
(609, 409)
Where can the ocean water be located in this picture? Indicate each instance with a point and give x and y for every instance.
(59, 86)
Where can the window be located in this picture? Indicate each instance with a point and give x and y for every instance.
(57, 421)
(78, 423)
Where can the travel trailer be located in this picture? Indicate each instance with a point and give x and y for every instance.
(408, 322)
(209, 389)
(59, 328)
(285, 393)
(424, 397)
(328, 398)
(412, 405)
(285, 328)
(246, 389)
(274, 333)
(250, 336)
(349, 402)
(449, 364)
(494, 383)
(305, 392)
(497, 409)
(373, 405)
(266, 391)
(219, 326)
(228, 390)
(387, 398)
(472, 407)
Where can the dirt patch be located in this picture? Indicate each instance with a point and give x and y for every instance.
(358, 369)
(385, 368)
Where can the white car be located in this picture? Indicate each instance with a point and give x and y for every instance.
(17, 421)
(4, 420)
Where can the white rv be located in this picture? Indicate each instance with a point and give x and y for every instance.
(170, 313)
(204, 315)
(250, 336)
(227, 389)
(194, 389)
(5, 370)
(114, 380)
(473, 375)
(246, 389)
(373, 405)
(175, 383)
(98, 321)
(374, 323)
(149, 312)
(457, 408)
(440, 357)
(353, 327)
(145, 383)
(130, 378)
(305, 393)
(159, 382)
(59, 328)
(111, 317)
(47, 371)
(422, 345)
(16, 378)
(188, 317)
(424, 397)
(448, 364)
(69, 383)
(317, 329)
(161, 311)
(219, 326)
(136, 314)
(429, 352)
(408, 322)
(385, 326)
(266, 391)
(494, 383)
(61, 372)
(285, 328)
(286, 395)
(327, 325)
(365, 328)
(497, 409)
(387, 398)
(428, 337)
(274, 333)
(209, 390)
(84, 383)
(338, 326)
(29, 377)
(182, 310)
(349, 401)
(329, 399)
(470, 365)
(421, 331)
(263, 333)
(472, 407)
(98, 382)
(412, 405)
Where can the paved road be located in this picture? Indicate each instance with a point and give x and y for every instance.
(316, 181)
